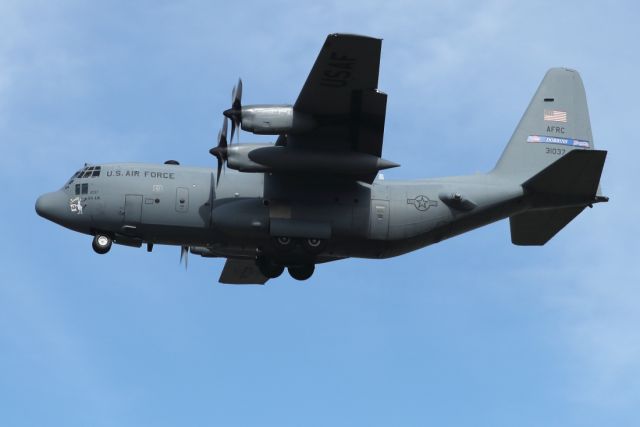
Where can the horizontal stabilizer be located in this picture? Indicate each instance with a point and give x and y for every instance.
(241, 272)
(535, 228)
(576, 175)
(563, 189)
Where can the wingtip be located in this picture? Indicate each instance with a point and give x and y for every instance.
(353, 35)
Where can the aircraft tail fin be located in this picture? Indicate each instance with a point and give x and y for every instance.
(551, 153)
(555, 123)
(562, 190)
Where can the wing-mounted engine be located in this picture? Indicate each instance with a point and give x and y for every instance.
(273, 158)
(336, 125)
(266, 119)
(235, 156)
(272, 119)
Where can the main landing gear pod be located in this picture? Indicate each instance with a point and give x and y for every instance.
(269, 268)
(101, 243)
(301, 272)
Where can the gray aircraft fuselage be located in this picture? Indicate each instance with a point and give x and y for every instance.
(179, 205)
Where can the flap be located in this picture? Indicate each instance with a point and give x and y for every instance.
(241, 272)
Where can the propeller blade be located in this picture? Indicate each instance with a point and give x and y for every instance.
(236, 101)
(184, 254)
(219, 171)
(217, 152)
(235, 112)
(220, 151)
(233, 130)
(222, 136)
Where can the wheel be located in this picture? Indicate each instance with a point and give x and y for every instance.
(101, 243)
(269, 268)
(301, 272)
(313, 245)
(283, 243)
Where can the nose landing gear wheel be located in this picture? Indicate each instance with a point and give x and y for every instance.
(101, 243)
(301, 272)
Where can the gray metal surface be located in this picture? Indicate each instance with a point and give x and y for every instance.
(312, 197)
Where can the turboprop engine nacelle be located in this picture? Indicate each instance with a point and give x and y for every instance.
(238, 158)
(275, 120)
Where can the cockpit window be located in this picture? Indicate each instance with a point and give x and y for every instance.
(90, 172)
(75, 175)
(86, 172)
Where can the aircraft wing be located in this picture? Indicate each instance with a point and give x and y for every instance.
(341, 95)
(241, 272)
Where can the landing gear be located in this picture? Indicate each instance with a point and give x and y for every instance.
(298, 254)
(101, 243)
(301, 272)
(314, 246)
(283, 243)
(269, 268)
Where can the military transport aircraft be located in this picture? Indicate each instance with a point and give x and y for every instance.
(315, 195)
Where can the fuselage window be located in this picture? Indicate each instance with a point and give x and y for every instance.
(85, 188)
(77, 189)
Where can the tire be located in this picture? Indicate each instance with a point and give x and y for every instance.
(101, 243)
(301, 272)
(314, 246)
(269, 268)
(283, 243)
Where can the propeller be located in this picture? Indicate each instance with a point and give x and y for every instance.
(184, 255)
(220, 151)
(235, 112)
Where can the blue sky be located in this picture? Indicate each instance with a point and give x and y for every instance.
(472, 331)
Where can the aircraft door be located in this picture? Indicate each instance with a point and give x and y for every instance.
(379, 219)
(132, 209)
(182, 199)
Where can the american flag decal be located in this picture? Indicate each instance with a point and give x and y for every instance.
(555, 116)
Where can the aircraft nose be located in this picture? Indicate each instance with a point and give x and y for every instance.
(50, 206)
